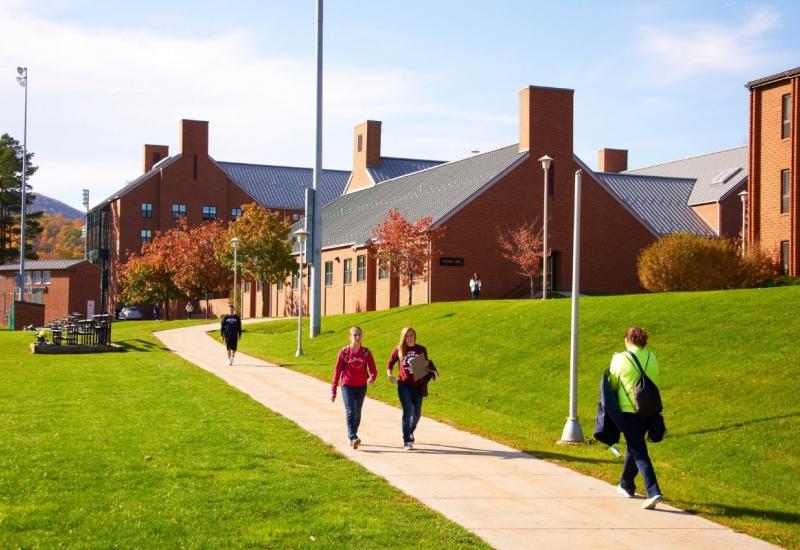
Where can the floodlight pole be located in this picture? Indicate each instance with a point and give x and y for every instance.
(572, 429)
(22, 78)
(316, 218)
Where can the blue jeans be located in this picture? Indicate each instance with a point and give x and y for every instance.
(353, 399)
(411, 400)
(636, 458)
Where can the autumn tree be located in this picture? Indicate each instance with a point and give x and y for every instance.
(406, 248)
(146, 277)
(522, 245)
(11, 199)
(61, 237)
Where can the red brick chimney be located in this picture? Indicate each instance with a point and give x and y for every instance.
(366, 152)
(545, 122)
(153, 154)
(612, 160)
(194, 137)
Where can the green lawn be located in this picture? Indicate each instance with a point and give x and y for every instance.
(143, 450)
(729, 380)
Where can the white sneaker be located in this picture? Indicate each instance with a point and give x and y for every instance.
(408, 446)
(623, 492)
(230, 361)
(650, 503)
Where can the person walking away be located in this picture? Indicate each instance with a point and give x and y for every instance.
(409, 390)
(355, 369)
(157, 311)
(475, 286)
(231, 331)
(189, 310)
(623, 376)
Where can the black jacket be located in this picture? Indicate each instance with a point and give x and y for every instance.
(608, 421)
(231, 327)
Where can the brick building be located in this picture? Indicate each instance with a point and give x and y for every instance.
(773, 198)
(62, 286)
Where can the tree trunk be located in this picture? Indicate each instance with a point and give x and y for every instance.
(410, 288)
(532, 292)
(206, 294)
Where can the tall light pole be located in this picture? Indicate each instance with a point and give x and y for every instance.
(743, 196)
(235, 244)
(572, 429)
(316, 217)
(545, 160)
(86, 226)
(301, 235)
(22, 78)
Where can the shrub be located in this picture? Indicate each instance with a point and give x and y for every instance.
(688, 262)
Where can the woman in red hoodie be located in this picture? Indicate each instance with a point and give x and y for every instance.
(355, 368)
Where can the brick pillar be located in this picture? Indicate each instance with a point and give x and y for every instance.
(153, 154)
(366, 152)
(612, 160)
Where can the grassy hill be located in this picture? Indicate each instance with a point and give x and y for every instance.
(729, 381)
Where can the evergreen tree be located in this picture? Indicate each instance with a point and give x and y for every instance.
(10, 201)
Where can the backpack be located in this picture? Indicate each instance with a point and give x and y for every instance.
(646, 397)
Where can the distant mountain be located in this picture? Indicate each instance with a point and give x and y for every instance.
(49, 205)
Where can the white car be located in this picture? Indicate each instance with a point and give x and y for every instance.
(129, 314)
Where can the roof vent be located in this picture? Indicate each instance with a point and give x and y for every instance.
(726, 175)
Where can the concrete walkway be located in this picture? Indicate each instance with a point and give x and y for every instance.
(508, 498)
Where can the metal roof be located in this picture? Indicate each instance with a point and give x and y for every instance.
(31, 265)
(438, 192)
(705, 170)
(660, 202)
(284, 186)
(773, 78)
(392, 167)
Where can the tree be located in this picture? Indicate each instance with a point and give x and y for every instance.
(60, 238)
(405, 247)
(522, 245)
(146, 277)
(10, 201)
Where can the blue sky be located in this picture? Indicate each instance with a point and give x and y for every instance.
(662, 79)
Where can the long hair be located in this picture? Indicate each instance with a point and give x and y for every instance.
(402, 348)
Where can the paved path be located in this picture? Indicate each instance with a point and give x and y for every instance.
(508, 498)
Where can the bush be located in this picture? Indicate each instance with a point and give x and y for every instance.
(780, 280)
(687, 262)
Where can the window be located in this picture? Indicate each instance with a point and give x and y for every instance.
(360, 142)
(279, 285)
(784, 257)
(786, 192)
(551, 179)
(46, 277)
(361, 268)
(259, 286)
(178, 210)
(295, 217)
(235, 213)
(147, 209)
(147, 235)
(328, 273)
(209, 212)
(247, 286)
(295, 280)
(786, 116)
(37, 277)
(348, 271)
(383, 271)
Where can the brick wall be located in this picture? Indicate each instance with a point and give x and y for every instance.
(711, 213)
(26, 314)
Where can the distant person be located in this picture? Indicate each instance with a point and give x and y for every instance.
(475, 286)
(355, 369)
(409, 390)
(231, 331)
(623, 376)
(157, 312)
(189, 310)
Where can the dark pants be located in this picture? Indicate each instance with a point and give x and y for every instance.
(476, 294)
(231, 343)
(353, 399)
(636, 458)
(411, 400)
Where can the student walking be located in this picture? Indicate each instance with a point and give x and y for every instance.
(231, 331)
(624, 373)
(410, 390)
(355, 369)
(475, 286)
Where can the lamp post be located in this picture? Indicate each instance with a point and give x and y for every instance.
(301, 235)
(235, 244)
(86, 226)
(743, 196)
(22, 78)
(545, 160)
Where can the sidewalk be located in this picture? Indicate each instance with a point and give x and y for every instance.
(508, 498)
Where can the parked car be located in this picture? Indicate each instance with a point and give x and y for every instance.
(129, 313)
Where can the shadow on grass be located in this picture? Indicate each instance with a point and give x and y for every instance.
(736, 425)
(787, 518)
(137, 344)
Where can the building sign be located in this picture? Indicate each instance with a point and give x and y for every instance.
(451, 261)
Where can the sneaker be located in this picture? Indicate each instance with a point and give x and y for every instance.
(624, 492)
(230, 361)
(355, 443)
(650, 503)
(411, 438)
(408, 446)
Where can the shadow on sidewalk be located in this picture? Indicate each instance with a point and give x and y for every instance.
(435, 448)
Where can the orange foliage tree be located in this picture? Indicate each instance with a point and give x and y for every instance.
(61, 237)
(405, 247)
(522, 245)
(145, 277)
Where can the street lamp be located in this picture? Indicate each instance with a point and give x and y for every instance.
(743, 196)
(301, 235)
(22, 78)
(235, 244)
(545, 160)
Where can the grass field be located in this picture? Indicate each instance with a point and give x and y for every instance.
(142, 450)
(729, 380)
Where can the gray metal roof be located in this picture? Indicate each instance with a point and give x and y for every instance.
(660, 202)
(708, 172)
(31, 265)
(284, 186)
(392, 167)
(773, 78)
(438, 192)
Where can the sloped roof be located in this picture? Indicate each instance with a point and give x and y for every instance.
(708, 171)
(438, 192)
(31, 265)
(660, 202)
(773, 78)
(392, 167)
(284, 186)
(163, 163)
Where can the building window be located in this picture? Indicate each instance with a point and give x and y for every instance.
(147, 235)
(295, 280)
(383, 272)
(178, 210)
(360, 142)
(235, 213)
(786, 192)
(209, 212)
(784, 257)
(348, 271)
(247, 286)
(295, 217)
(361, 268)
(37, 277)
(46, 277)
(328, 273)
(279, 286)
(786, 116)
(147, 209)
(259, 286)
